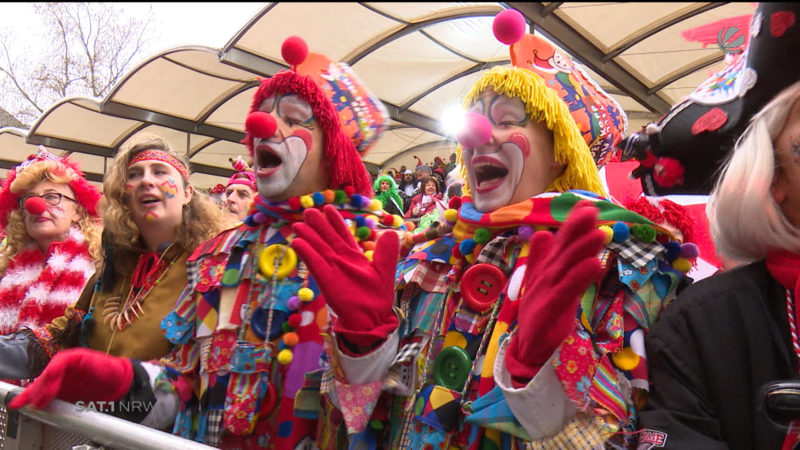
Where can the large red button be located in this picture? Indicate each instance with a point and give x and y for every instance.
(481, 285)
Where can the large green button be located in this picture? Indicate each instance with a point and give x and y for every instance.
(452, 367)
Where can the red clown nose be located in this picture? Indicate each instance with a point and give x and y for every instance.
(260, 125)
(35, 205)
(476, 131)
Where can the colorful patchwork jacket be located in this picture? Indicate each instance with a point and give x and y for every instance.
(248, 327)
(439, 381)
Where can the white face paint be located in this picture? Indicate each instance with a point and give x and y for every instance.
(272, 180)
(289, 163)
(516, 163)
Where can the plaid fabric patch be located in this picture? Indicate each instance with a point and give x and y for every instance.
(307, 400)
(431, 277)
(637, 253)
(583, 431)
(494, 253)
(407, 353)
(214, 430)
(426, 307)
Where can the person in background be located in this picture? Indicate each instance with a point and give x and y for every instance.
(505, 337)
(406, 188)
(421, 172)
(153, 218)
(240, 191)
(427, 203)
(386, 192)
(48, 210)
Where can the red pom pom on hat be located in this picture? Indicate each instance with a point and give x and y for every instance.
(476, 131)
(294, 50)
(260, 124)
(509, 26)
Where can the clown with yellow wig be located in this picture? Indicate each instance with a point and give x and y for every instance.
(520, 320)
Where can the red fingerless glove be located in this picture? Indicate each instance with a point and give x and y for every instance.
(78, 374)
(560, 268)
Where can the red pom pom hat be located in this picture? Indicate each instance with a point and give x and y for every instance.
(350, 116)
(85, 193)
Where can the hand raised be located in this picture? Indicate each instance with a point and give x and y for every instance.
(359, 291)
(560, 268)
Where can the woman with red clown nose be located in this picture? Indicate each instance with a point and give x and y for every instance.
(96, 350)
(48, 211)
(524, 315)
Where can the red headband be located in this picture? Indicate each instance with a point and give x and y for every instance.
(158, 155)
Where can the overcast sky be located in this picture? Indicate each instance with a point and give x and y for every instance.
(198, 23)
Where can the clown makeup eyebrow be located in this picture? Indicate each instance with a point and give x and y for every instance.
(293, 110)
(478, 107)
(504, 110)
(267, 105)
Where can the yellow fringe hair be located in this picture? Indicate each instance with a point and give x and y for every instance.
(543, 105)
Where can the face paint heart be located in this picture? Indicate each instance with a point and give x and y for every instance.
(150, 216)
(710, 121)
(779, 22)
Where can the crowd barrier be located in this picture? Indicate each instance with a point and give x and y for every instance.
(65, 426)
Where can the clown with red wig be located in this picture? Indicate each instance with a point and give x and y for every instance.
(48, 211)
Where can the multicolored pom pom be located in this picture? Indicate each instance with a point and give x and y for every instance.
(644, 233)
(482, 235)
(608, 232)
(305, 294)
(681, 264)
(466, 246)
(621, 232)
(285, 357)
(306, 201)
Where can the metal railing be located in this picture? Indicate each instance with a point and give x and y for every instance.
(28, 428)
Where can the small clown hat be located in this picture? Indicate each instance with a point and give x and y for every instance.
(243, 174)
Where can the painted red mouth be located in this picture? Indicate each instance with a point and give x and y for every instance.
(489, 173)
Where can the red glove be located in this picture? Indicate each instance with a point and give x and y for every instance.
(359, 291)
(560, 268)
(78, 374)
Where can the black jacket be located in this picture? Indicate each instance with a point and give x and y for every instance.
(709, 355)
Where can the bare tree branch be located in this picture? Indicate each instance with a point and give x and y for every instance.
(91, 47)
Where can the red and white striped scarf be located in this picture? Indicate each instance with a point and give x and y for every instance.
(37, 287)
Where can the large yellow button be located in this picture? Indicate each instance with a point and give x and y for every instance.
(286, 264)
(626, 359)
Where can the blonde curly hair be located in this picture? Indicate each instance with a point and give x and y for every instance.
(17, 236)
(201, 216)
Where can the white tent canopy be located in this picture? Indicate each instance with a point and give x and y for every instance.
(419, 58)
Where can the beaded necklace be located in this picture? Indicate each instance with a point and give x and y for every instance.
(118, 316)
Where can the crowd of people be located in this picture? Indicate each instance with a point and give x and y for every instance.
(499, 300)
